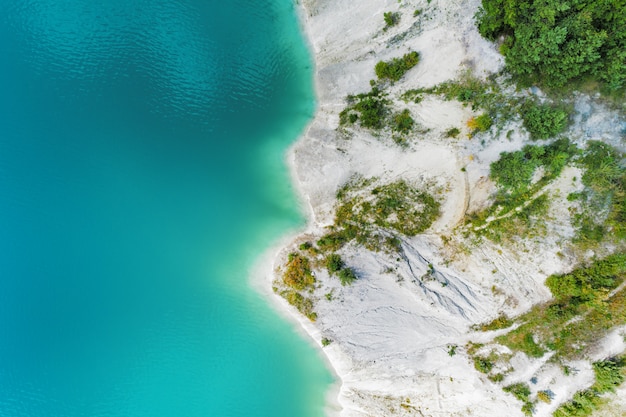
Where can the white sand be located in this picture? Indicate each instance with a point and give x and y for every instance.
(391, 329)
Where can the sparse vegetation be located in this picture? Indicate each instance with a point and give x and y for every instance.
(394, 70)
(298, 273)
(303, 304)
(402, 122)
(391, 19)
(518, 188)
(370, 216)
(480, 123)
(584, 294)
(453, 132)
(369, 109)
(609, 374)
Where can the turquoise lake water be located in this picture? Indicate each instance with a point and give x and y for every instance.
(141, 174)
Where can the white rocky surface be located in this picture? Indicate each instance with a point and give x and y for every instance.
(391, 330)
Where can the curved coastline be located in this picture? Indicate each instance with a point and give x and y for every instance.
(407, 373)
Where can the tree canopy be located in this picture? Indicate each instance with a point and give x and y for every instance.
(552, 42)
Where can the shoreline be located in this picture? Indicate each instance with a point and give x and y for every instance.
(390, 333)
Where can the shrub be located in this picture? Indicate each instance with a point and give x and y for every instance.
(543, 121)
(298, 273)
(481, 123)
(391, 19)
(303, 304)
(544, 396)
(453, 132)
(483, 365)
(609, 374)
(326, 341)
(394, 70)
(347, 276)
(452, 350)
(334, 263)
(370, 108)
(519, 390)
(584, 283)
(402, 122)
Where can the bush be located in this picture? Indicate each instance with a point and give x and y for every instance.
(452, 132)
(394, 70)
(402, 122)
(370, 108)
(298, 273)
(609, 374)
(481, 123)
(584, 283)
(391, 19)
(347, 276)
(303, 304)
(544, 396)
(334, 263)
(543, 121)
(483, 365)
(519, 390)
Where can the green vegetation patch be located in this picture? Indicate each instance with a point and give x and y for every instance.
(396, 68)
(543, 121)
(298, 272)
(402, 122)
(303, 304)
(480, 123)
(371, 215)
(391, 19)
(583, 309)
(552, 42)
(521, 391)
(370, 110)
(603, 202)
(609, 374)
(518, 210)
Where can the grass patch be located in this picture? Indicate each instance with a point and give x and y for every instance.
(480, 123)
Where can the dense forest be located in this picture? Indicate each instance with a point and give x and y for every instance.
(554, 42)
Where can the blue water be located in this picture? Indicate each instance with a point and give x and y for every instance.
(141, 173)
